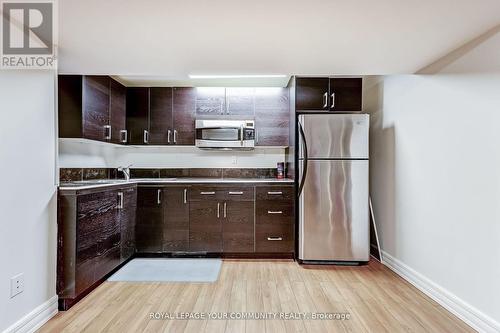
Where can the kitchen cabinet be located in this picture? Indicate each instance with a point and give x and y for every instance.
(329, 94)
(184, 106)
(117, 112)
(93, 238)
(210, 101)
(176, 219)
(238, 219)
(90, 107)
(272, 117)
(149, 223)
(127, 207)
(205, 225)
(138, 115)
(274, 219)
(345, 94)
(240, 102)
(160, 116)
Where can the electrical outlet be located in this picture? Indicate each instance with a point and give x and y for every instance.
(16, 285)
(235, 160)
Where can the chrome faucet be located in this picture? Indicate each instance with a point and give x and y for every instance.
(126, 171)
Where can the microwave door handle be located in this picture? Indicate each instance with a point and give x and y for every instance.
(241, 134)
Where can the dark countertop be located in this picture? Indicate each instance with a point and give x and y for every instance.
(92, 184)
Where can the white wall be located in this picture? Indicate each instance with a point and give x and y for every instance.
(435, 182)
(87, 154)
(27, 195)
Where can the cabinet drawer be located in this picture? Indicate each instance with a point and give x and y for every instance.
(198, 193)
(274, 212)
(274, 238)
(275, 192)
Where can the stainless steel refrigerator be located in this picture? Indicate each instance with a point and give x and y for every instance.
(333, 188)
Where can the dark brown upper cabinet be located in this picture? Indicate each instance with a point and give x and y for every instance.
(272, 116)
(311, 93)
(184, 106)
(138, 116)
(345, 94)
(160, 116)
(85, 105)
(328, 94)
(117, 112)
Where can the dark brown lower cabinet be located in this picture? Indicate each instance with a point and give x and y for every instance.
(176, 219)
(238, 226)
(94, 238)
(149, 223)
(205, 227)
(127, 216)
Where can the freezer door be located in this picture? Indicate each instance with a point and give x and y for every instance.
(335, 136)
(333, 211)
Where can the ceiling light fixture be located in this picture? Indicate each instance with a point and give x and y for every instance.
(192, 76)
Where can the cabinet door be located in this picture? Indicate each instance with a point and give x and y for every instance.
(184, 116)
(240, 102)
(345, 94)
(138, 115)
(117, 112)
(95, 232)
(311, 93)
(238, 226)
(176, 219)
(127, 216)
(272, 116)
(96, 108)
(160, 114)
(205, 229)
(149, 223)
(210, 101)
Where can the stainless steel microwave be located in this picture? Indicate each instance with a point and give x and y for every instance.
(225, 134)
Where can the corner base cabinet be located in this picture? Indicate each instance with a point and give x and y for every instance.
(95, 235)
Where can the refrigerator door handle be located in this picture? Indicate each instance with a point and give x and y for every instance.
(304, 149)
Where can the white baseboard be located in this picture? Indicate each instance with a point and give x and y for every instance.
(36, 318)
(469, 314)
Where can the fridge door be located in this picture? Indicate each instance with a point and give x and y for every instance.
(335, 136)
(333, 211)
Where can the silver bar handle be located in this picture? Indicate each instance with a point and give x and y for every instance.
(169, 134)
(107, 132)
(185, 195)
(332, 105)
(241, 134)
(120, 200)
(123, 136)
(236, 193)
(175, 136)
(274, 238)
(218, 210)
(207, 193)
(275, 212)
(225, 209)
(275, 193)
(158, 197)
(325, 100)
(146, 136)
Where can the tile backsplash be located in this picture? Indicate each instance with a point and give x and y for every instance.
(75, 174)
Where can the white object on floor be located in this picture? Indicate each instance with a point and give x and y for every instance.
(169, 270)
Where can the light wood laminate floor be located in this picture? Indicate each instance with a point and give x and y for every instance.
(376, 298)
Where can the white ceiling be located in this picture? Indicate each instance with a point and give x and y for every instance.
(165, 40)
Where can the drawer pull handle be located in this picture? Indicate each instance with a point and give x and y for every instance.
(275, 212)
(275, 193)
(274, 238)
(207, 193)
(235, 193)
